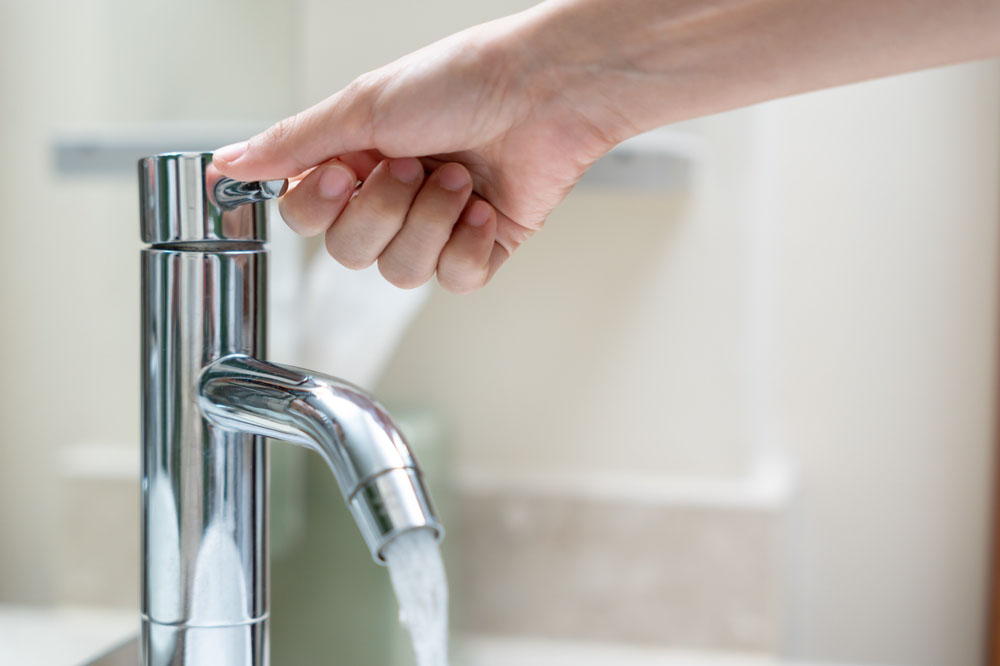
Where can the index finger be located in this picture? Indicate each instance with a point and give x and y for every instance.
(337, 125)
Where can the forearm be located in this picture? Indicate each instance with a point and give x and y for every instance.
(639, 64)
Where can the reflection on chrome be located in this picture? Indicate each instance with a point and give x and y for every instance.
(350, 431)
(208, 401)
(231, 193)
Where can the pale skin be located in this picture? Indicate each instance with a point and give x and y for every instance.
(447, 160)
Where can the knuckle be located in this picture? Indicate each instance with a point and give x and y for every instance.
(352, 261)
(355, 262)
(376, 207)
(401, 275)
(460, 279)
(286, 209)
(358, 88)
(347, 256)
(519, 234)
(281, 130)
(275, 138)
(457, 287)
(297, 218)
(360, 100)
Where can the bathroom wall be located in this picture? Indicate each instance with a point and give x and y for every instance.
(851, 330)
(613, 342)
(883, 202)
(841, 314)
(636, 319)
(69, 246)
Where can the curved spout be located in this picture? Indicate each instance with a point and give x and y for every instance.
(371, 461)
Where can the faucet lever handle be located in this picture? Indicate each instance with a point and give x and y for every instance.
(183, 198)
(231, 193)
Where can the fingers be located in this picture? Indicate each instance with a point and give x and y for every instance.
(412, 256)
(376, 214)
(472, 254)
(363, 162)
(412, 225)
(337, 125)
(319, 198)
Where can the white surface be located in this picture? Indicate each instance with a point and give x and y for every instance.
(477, 651)
(62, 635)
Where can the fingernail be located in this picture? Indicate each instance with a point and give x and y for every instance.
(453, 177)
(407, 169)
(232, 152)
(478, 215)
(335, 182)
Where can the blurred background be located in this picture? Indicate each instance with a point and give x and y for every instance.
(736, 401)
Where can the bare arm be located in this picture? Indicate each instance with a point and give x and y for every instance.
(660, 62)
(464, 147)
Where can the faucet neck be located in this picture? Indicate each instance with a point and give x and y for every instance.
(204, 518)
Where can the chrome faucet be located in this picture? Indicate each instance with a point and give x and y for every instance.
(208, 402)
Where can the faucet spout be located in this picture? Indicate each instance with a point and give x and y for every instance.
(374, 467)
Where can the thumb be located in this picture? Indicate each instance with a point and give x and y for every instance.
(337, 125)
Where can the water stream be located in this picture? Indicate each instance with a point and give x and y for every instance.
(417, 574)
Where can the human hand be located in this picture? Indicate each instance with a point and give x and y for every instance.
(462, 150)
(464, 147)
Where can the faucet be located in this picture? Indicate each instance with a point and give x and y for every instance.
(209, 400)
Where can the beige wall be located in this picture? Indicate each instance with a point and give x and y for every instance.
(884, 202)
(644, 332)
(337, 41)
(69, 247)
(870, 341)
(613, 341)
(862, 305)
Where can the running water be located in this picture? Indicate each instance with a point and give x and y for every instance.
(417, 574)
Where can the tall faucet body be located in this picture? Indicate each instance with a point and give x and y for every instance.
(208, 402)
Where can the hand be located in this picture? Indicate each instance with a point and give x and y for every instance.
(462, 149)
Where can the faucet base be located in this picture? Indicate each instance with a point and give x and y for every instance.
(174, 645)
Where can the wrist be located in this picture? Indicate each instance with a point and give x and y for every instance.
(584, 56)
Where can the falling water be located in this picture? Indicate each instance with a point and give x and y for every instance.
(417, 574)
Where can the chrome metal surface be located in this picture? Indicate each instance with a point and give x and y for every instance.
(178, 645)
(352, 432)
(231, 193)
(203, 488)
(207, 404)
(177, 201)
